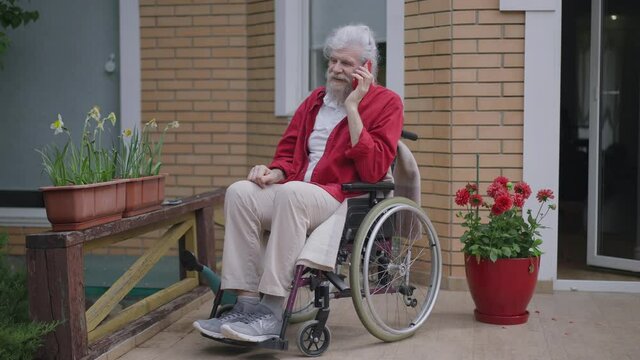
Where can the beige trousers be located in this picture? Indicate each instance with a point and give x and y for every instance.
(290, 211)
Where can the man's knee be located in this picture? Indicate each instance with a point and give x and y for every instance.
(292, 193)
(240, 190)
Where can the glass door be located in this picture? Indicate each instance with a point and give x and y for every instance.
(614, 146)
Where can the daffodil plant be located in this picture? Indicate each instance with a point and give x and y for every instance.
(86, 163)
(139, 154)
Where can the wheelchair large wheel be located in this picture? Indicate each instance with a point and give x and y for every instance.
(396, 268)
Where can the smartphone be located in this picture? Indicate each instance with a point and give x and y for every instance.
(354, 83)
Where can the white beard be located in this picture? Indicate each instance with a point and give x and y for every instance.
(338, 91)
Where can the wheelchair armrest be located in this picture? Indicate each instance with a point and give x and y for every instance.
(361, 186)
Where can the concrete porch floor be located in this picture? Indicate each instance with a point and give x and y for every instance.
(562, 326)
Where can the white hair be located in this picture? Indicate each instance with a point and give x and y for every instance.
(350, 35)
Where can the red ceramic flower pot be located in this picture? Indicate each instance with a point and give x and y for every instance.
(144, 194)
(502, 290)
(77, 207)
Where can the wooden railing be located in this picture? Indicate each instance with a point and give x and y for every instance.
(56, 282)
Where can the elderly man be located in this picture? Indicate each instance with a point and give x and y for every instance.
(345, 132)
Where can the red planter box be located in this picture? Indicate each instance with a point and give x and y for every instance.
(144, 194)
(502, 290)
(77, 207)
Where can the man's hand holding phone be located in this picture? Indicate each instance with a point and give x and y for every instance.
(361, 81)
(355, 81)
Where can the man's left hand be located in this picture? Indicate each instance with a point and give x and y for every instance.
(263, 176)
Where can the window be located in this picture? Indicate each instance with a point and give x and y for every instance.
(303, 26)
(326, 15)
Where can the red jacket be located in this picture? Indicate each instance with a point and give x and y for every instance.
(369, 160)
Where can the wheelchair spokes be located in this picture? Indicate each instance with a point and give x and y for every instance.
(400, 261)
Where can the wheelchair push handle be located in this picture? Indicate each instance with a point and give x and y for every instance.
(409, 135)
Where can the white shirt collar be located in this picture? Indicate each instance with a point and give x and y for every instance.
(328, 101)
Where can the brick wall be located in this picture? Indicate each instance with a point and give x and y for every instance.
(464, 96)
(194, 70)
(428, 108)
(263, 128)
(487, 91)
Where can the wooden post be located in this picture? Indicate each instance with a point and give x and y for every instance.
(205, 239)
(56, 292)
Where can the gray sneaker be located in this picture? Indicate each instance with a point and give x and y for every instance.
(211, 327)
(260, 325)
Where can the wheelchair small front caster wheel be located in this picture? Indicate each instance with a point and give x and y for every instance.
(310, 344)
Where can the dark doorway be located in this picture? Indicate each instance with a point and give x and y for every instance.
(574, 147)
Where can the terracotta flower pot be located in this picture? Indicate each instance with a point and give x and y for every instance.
(144, 194)
(502, 290)
(77, 207)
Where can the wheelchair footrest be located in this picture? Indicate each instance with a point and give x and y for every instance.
(336, 280)
(273, 343)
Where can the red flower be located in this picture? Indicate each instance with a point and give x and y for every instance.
(476, 200)
(472, 188)
(501, 180)
(544, 195)
(462, 197)
(496, 189)
(522, 188)
(502, 204)
(518, 200)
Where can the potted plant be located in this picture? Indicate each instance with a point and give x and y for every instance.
(140, 161)
(84, 192)
(502, 255)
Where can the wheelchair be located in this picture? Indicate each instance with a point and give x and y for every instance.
(389, 263)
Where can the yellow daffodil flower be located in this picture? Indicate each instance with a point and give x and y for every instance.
(112, 118)
(94, 113)
(174, 125)
(152, 123)
(127, 132)
(57, 125)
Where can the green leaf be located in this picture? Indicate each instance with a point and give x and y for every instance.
(493, 255)
(506, 251)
